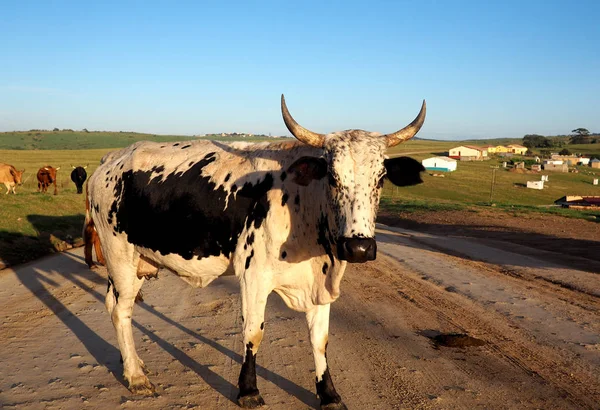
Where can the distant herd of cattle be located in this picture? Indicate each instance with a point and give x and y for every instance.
(46, 176)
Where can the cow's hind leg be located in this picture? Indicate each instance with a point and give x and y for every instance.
(254, 301)
(318, 327)
(123, 286)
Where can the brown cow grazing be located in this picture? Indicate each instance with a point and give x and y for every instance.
(47, 176)
(10, 177)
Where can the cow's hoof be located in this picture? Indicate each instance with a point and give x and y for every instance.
(334, 406)
(141, 386)
(251, 401)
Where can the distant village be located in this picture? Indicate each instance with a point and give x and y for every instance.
(556, 162)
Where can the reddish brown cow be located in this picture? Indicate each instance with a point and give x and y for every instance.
(47, 176)
(90, 237)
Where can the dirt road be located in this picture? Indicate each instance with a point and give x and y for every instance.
(534, 325)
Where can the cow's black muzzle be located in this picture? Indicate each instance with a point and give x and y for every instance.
(357, 250)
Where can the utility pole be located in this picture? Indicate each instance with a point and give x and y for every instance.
(494, 169)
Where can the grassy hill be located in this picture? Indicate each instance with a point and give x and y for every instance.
(66, 139)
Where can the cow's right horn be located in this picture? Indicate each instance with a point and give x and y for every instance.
(409, 131)
(301, 133)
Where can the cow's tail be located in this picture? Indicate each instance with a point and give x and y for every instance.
(90, 236)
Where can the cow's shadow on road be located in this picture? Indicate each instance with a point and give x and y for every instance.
(39, 279)
(54, 233)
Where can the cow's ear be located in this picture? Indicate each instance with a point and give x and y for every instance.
(403, 171)
(306, 169)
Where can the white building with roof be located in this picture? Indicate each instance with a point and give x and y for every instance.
(445, 164)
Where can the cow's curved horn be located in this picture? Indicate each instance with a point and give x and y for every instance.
(72, 166)
(57, 168)
(301, 133)
(409, 131)
(86, 166)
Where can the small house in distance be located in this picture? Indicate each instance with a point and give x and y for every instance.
(517, 149)
(576, 201)
(468, 153)
(439, 164)
(583, 161)
(595, 163)
(498, 149)
(535, 184)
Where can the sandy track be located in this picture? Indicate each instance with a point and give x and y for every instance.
(539, 321)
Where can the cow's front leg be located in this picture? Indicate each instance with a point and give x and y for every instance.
(254, 301)
(318, 327)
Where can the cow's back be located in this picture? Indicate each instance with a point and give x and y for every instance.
(190, 201)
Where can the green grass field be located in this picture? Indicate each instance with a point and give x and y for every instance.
(33, 224)
(68, 140)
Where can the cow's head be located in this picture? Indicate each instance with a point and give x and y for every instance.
(355, 166)
(18, 176)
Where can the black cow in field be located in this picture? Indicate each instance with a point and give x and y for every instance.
(78, 176)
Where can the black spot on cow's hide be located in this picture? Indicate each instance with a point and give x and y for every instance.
(249, 258)
(283, 255)
(185, 213)
(325, 266)
(284, 199)
(186, 146)
(283, 176)
(324, 237)
(227, 177)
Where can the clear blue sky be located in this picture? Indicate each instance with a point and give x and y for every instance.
(486, 69)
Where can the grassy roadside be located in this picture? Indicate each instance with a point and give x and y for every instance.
(391, 206)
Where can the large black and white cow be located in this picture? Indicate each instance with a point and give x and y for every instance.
(282, 216)
(78, 176)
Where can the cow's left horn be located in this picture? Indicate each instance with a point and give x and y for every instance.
(409, 131)
(301, 133)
